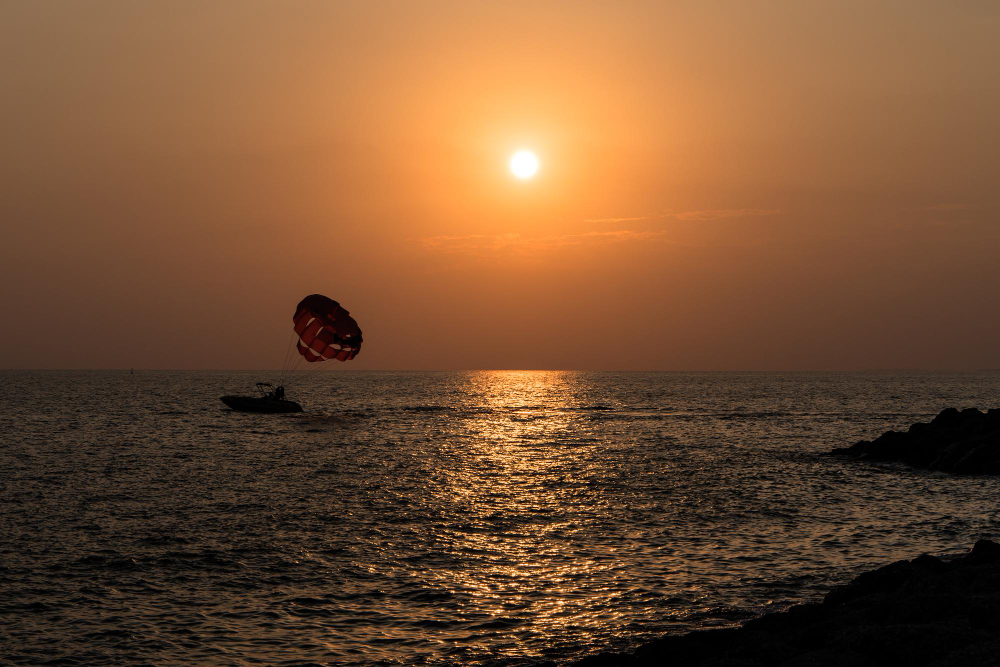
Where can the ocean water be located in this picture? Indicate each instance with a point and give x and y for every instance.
(449, 518)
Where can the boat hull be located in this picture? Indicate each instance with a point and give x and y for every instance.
(258, 404)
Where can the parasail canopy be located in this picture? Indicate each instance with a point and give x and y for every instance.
(326, 330)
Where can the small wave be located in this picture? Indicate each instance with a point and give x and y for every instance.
(436, 624)
(110, 497)
(28, 607)
(429, 596)
(94, 562)
(307, 601)
(210, 560)
(159, 540)
(311, 611)
(501, 623)
(763, 414)
(314, 423)
(110, 633)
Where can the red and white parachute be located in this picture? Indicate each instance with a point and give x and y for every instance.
(326, 330)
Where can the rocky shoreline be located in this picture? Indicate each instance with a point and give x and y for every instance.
(963, 442)
(929, 611)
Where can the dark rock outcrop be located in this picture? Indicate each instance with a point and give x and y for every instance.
(966, 442)
(924, 612)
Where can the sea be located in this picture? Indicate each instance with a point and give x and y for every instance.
(449, 518)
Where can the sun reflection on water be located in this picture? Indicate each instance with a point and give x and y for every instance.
(519, 480)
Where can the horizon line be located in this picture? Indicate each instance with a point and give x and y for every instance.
(128, 370)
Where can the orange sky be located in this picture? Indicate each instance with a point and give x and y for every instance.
(723, 185)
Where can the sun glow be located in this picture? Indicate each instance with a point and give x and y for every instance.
(524, 164)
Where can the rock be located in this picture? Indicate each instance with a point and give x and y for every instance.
(830, 658)
(964, 442)
(984, 552)
(923, 612)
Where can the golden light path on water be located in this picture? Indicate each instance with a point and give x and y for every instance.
(529, 541)
(515, 475)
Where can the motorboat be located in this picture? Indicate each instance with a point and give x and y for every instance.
(271, 400)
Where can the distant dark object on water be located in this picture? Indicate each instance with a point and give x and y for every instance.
(927, 611)
(966, 443)
(270, 400)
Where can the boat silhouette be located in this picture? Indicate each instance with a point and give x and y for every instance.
(271, 400)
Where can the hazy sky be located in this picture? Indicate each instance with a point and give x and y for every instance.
(723, 185)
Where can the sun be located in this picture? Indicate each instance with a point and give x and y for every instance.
(524, 164)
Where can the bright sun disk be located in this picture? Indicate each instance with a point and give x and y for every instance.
(524, 164)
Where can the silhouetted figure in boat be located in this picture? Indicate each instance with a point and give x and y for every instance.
(277, 394)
